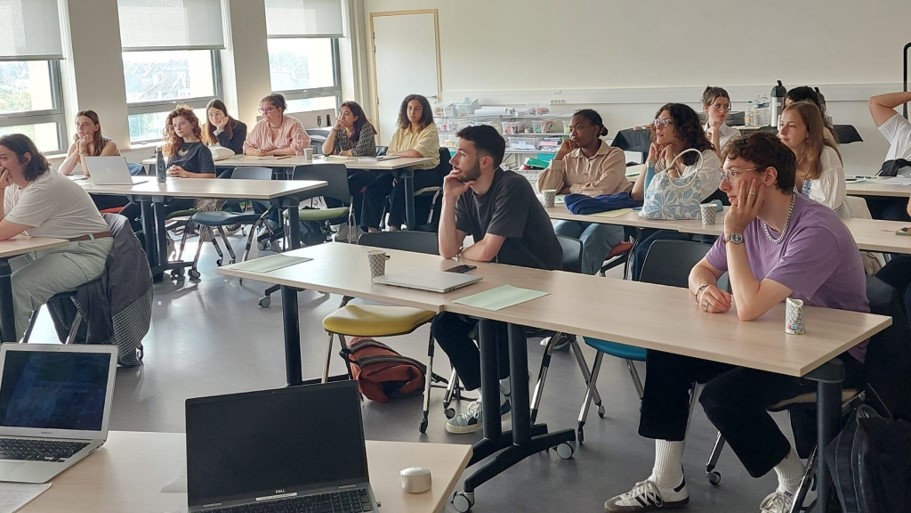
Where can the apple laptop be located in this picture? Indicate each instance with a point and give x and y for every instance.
(55, 403)
(110, 171)
(298, 448)
(427, 279)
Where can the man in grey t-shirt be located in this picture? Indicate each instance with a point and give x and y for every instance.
(500, 211)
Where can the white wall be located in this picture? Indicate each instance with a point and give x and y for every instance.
(627, 57)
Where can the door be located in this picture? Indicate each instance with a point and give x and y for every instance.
(406, 60)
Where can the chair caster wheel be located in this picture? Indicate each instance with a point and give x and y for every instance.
(262, 245)
(265, 301)
(218, 262)
(194, 274)
(462, 501)
(423, 427)
(232, 261)
(140, 352)
(601, 411)
(449, 412)
(565, 451)
(714, 477)
(177, 274)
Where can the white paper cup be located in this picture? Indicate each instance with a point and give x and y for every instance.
(376, 259)
(550, 196)
(793, 320)
(308, 154)
(708, 214)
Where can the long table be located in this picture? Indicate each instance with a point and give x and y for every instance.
(129, 471)
(151, 196)
(9, 249)
(681, 329)
(878, 186)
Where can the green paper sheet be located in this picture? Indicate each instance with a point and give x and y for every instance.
(499, 298)
(269, 263)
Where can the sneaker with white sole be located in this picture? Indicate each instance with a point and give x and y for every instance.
(646, 496)
(470, 420)
(777, 502)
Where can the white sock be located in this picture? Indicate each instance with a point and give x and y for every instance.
(789, 471)
(668, 470)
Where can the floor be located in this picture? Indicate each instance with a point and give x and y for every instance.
(211, 338)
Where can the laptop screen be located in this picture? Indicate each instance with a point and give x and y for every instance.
(272, 442)
(54, 390)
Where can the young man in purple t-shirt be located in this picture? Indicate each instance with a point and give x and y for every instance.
(776, 244)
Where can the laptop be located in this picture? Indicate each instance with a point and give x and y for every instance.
(55, 404)
(427, 279)
(110, 171)
(278, 450)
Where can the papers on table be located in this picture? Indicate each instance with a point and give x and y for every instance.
(897, 180)
(500, 297)
(14, 496)
(614, 213)
(855, 179)
(269, 263)
(176, 485)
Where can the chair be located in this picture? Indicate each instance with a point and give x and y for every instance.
(433, 192)
(360, 320)
(668, 263)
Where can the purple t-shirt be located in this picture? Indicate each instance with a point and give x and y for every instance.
(818, 260)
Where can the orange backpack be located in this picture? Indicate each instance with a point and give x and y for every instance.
(382, 373)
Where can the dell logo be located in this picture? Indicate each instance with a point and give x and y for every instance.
(280, 490)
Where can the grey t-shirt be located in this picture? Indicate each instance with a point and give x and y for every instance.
(510, 209)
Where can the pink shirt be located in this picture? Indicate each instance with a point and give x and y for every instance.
(290, 135)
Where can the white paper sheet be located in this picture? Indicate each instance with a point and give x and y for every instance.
(14, 496)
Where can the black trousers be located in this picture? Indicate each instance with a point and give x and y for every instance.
(897, 273)
(133, 211)
(422, 179)
(453, 333)
(735, 400)
(385, 184)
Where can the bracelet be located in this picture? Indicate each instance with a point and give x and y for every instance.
(700, 289)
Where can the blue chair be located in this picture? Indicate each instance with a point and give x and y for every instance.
(668, 263)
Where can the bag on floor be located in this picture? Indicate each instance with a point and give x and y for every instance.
(870, 463)
(382, 373)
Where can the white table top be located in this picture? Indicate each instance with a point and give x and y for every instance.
(294, 161)
(24, 244)
(875, 186)
(209, 188)
(129, 471)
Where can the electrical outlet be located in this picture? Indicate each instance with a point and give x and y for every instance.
(555, 101)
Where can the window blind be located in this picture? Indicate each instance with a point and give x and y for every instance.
(32, 30)
(171, 25)
(304, 18)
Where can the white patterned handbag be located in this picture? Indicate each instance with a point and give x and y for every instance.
(674, 198)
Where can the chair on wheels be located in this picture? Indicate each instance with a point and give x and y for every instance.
(433, 192)
(668, 263)
(359, 320)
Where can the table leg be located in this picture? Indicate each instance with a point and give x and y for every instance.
(160, 232)
(291, 322)
(148, 230)
(407, 176)
(7, 319)
(294, 238)
(828, 379)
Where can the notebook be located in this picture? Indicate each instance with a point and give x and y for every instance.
(110, 171)
(428, 279)
(55, 403)
(282, 448)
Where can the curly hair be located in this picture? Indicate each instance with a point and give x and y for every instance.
(816, 138)
(765, 150)
(688, 128)
(33, 162)
(426, 112)
(172, 141)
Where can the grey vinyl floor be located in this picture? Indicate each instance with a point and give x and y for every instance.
(211, 337)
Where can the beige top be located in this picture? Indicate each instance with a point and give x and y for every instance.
(426, 142)
(291, 134)
(602, 173)
(53, 206)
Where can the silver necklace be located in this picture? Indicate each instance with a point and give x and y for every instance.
(787, 222)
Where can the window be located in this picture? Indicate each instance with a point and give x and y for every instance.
(30, 91)
(303, 52)
(170, 58)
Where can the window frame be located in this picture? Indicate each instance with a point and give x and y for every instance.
(56, 114)
(316, 92)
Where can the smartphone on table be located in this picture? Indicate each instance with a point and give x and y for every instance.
(464, 268)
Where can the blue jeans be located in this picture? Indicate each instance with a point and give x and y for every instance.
(597, 241)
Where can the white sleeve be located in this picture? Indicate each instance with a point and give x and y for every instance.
(829, 188)
(897, 130)
(710, 173)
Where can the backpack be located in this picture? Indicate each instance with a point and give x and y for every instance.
(382, 373)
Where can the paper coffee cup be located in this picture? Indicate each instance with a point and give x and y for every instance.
(708, 214)
(308, 154)
(550, 196)
(793, 321)
(376, 259)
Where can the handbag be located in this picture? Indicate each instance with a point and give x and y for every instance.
(382, 373)
(674, 198)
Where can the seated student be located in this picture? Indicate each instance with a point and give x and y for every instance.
(897, 130)
(807, 93)
(897, 272)
(42, 203)
(776, 244)
(222, 129)
(500, 211)
(676, 128)
(585, 164)
(352, 136)
(186, 155)
(820, 173)
(416, 136)
(717, 104)
(90, 142)
(276, 134)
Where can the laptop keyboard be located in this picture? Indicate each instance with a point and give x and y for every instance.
(38, 450)
(351, 501)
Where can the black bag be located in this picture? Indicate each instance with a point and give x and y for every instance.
(870, 463)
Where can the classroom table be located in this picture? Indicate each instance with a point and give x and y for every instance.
(14, 247)
(128, 472)
(151, 196)
(682, 329)
(878, 186)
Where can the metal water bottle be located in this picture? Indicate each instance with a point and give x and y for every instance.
(777, 103)
(160, 170)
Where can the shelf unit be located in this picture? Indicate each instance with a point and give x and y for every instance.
(524, 134)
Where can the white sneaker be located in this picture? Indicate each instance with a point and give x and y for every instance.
(777, 502)
(470, 420)
(341, 235)
(646, 496)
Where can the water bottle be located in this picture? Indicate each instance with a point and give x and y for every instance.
(764, 110)
(778, 93)
(748, 114)
(160, 170)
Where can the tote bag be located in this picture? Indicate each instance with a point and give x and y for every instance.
(674, 198)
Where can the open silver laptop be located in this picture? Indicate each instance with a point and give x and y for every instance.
(110, 171)
(298, 448)
(427, 279)
(55, 403)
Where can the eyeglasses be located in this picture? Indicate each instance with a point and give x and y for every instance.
(267, 110)
(662, 123)
(720, 106)
(732, 173)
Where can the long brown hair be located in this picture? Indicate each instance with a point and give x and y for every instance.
(98, 140)
(688, 127)
(208, 129)
(33, 166)
(172, 141)
(810, 157)
(358, 112)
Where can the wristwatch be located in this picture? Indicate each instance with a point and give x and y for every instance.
(736, 238)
